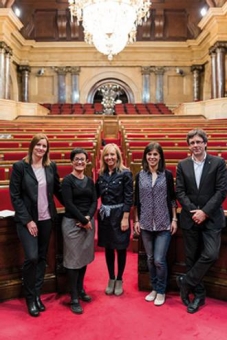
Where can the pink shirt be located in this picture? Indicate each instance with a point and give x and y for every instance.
(43, 206)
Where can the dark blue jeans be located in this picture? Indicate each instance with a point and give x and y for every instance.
(156, 245)
(35, 251)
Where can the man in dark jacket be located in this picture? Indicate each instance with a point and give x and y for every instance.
(201, 184)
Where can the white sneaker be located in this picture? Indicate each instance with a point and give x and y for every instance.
(151, 297)
(159, 300)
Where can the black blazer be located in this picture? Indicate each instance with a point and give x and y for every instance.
(24, 191)
(208, 197)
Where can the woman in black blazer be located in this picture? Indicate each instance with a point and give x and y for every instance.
(34, 182)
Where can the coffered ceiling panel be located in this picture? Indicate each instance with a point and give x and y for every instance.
(170, 20)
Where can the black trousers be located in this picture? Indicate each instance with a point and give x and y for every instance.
(35, 251)
(202, 247)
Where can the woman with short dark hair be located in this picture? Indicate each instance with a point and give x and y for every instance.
(78, 226)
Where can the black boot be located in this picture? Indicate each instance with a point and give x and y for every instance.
(84, 297)
(80, 285)
(39, 304)
(32, 308)
(76, 307)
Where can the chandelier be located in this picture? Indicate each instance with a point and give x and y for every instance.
(110, 24)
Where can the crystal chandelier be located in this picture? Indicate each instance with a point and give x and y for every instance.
(110, 24)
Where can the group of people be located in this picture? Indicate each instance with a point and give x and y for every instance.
(201, 185)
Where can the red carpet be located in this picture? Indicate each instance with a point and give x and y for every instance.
(109, 317)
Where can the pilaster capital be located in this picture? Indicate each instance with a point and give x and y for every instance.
(3, 45)
(218, 45)
(75, 70)
(198, 68)
(24, 68)
(146, 70)
(61, 70)
(9, 51)
(158, 70)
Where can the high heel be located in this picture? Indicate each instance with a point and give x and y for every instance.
(32, 308)
(39, 304)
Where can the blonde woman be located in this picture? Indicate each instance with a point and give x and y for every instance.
(33, 184)
(115, 187)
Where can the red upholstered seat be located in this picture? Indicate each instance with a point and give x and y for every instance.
(2, 174)
(14, 156)
(172, 168)
(177, 155)
(64, 169)
(5, 204)
(223, 154)
(6, 144)
(57, 203)
(224, 204)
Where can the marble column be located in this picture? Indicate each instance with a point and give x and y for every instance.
(146, 71)
(7, 72)
(2, 69)
(25, 71)
(75, 72)
(196, 71)
(213, 56)
(221, 71)
(159, 71)
(218, 53)
(61, 71)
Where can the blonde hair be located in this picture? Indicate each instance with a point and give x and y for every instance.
(103, 166)
(34, 141)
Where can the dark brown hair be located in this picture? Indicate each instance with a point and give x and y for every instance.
(150, 147)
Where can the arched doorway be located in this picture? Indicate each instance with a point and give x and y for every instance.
(126, 95)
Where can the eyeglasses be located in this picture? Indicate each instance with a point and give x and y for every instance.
(198, 142)
(77, 160)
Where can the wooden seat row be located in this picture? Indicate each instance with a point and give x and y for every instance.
(137, 135)
(63, 136)
(170, 135)
(59, 129)
(54, 144)
(39, 122)
(172, 143)
(142, 109)
(64, 168)
(77, 108)
(135, 153)
(58, 156)
(127, 108)
(29, 136)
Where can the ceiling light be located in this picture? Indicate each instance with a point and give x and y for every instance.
(110, 24)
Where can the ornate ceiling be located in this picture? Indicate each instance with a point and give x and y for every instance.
(170, 20)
